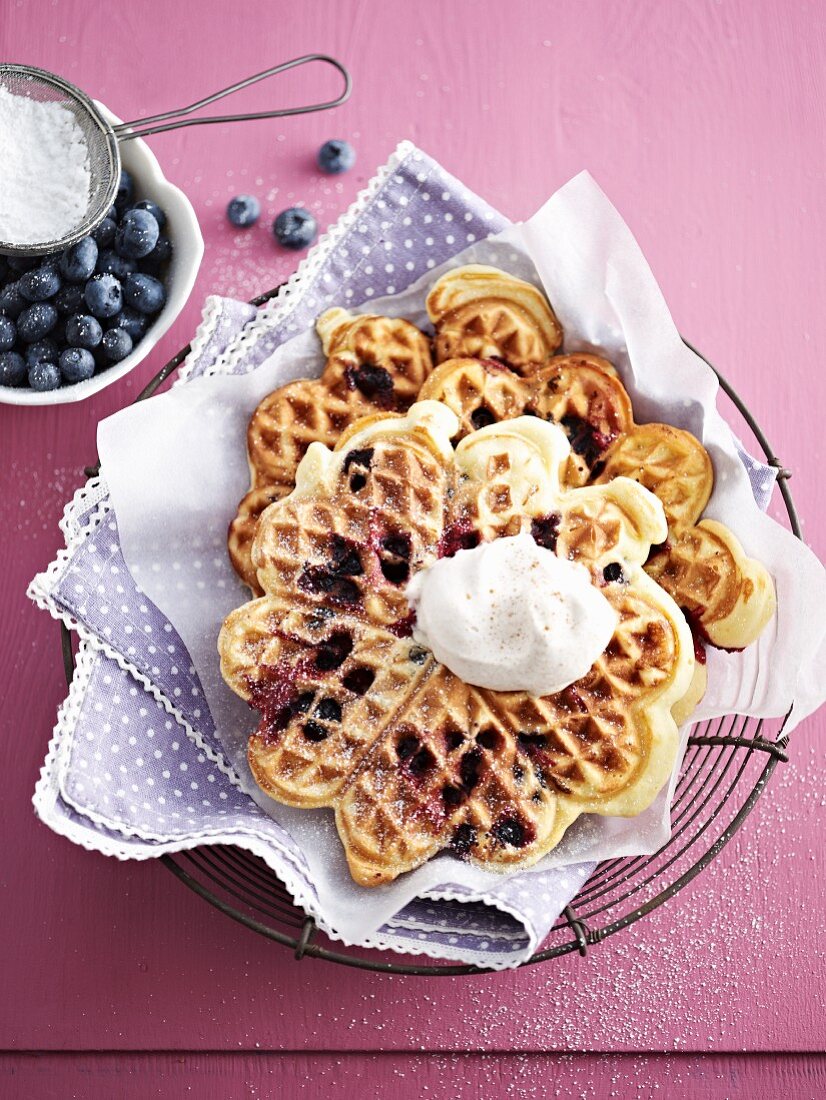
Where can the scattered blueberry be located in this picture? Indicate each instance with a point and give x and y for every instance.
(159, 257)
(77, 364)
(136, 235)
(35, 321)
(12, 368)
(12, 301)
(336, 156)
(126, 189)
(244, 210)
(132, 322)
(8, 333)
(44, 376)
(153, 209)
(69, 299)
(116, 345)
(78, 262)
(41, 351)
(104, 234)
(295, 228)
(103, 295)
(110, 263)
(83, 331)
(144, 293)
(39, 284)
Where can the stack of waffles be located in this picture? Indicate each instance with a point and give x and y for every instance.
(407, 450)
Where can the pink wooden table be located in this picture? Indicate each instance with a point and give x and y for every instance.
(705, 123)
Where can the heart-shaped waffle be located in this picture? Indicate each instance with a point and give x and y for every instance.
(356, 715)
(581, 393)
(374, 363)
(728, 596)
(483, 313)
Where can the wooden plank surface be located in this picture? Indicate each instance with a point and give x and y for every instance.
(172, 1074)
(705, 124)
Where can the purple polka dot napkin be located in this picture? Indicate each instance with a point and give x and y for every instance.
(134, 768)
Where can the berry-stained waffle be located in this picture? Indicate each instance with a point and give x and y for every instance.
(357, 716)
(728, 596)
(365, 478)
(374, 364)
(581, 393)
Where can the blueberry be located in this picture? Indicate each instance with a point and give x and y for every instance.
(336, 156)
(103, 295)
(117, 344)
(44, 376)
(12, 301)
(35, 321)
(510, 832)
(136, 235)
(19, 264)
(76, 364)
(153, 209)
(4, 268)
(482, 417)
(131, 321)
(40, 284)
(42, 351)
(126, 189)
(159, 257)
(69, 299)
(12, 368)
(110, 263)
(8, 333)
(104, 234)
(83, 331)
(144, 293)
(329, 709)
(112, 214)
(244, 210)
(295, 228)
(77, 264)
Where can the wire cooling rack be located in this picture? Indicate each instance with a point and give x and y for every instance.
(727, 764)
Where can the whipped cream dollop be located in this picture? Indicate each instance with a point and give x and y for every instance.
(511, 616)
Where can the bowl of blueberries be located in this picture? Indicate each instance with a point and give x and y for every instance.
(74, 322)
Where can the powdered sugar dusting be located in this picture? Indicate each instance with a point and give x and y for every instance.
(44, 170)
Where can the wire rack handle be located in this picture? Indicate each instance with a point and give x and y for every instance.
(143, 127)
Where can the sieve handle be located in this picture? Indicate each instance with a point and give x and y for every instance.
(143, 127)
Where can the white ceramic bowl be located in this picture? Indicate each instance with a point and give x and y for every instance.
(188, 248)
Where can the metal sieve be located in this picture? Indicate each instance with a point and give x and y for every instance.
(102, 138)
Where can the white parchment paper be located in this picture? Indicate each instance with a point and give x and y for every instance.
(176, 468)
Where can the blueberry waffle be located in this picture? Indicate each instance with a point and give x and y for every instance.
(581, 393)
(357, 716)
(728, 596)
(373, 364)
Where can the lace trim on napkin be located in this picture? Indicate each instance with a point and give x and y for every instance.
(82, 515)
(50, 787)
